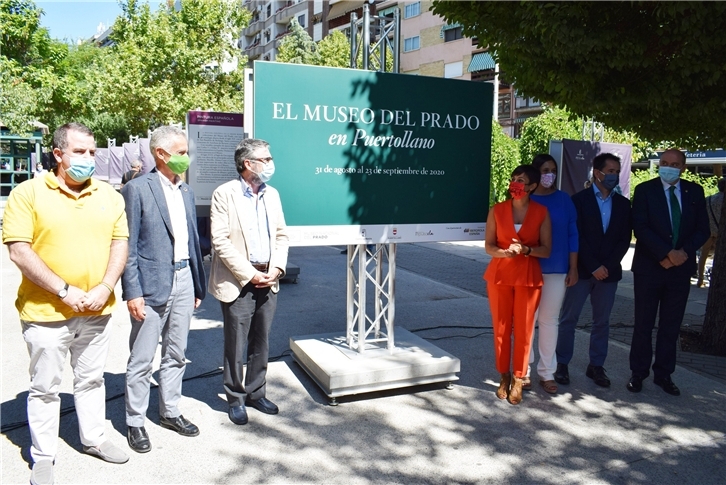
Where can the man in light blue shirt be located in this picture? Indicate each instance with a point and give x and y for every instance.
(604, 240)
(249, 238)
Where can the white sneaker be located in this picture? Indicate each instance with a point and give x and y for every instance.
(107, 451)
(42, 473)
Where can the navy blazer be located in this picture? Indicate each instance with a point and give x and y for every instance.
(652, 227)
(150, 268)
(598, 248)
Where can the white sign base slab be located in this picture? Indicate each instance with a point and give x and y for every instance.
(341, 371)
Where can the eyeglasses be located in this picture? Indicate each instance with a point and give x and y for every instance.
(263, 160)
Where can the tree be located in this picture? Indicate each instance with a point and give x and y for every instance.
(654, 68)
(552, 124)
(505, 158)
(334, 50)
(27, 55)
(163, 64)
(714, 323)
(298, 47)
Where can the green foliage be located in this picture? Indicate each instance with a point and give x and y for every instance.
(163, 64)
(332, 51)
(653, 68)
(22, 38)
(552, 124)
(642, 149)
(558, 123)
(335, 50)
(505, 158)
(298, 47)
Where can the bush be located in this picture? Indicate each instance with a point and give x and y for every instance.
(505, 158)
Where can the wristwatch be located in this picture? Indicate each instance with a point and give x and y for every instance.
(64, 292)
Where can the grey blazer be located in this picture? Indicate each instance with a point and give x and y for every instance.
(150, 268)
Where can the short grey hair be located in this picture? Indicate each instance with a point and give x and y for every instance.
(163, 137)
(135, 164)
(244, 151)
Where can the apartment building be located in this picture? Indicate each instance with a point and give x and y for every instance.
(269, 25)
(429, 46)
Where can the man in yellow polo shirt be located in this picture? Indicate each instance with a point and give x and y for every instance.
(68, 235)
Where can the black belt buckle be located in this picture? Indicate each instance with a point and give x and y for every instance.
(178, 265)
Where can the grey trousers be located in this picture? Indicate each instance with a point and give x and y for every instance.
(171, 322)
(247, 322)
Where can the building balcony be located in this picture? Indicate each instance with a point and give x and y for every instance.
(254, 50)
(279, 38)
(290, 11)
(253, 28)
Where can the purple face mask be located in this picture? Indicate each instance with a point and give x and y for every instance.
(547, 180)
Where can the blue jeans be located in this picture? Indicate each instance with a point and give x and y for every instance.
(602, 298)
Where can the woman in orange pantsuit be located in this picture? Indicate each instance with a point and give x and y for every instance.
(518, 232)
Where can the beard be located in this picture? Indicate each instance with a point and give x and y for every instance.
(253, 179)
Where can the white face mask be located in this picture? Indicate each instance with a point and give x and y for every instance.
(267, 172)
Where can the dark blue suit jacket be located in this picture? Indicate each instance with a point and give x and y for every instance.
(150, 268)
(652, 227)
(598, 248)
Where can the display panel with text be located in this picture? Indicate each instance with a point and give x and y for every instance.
(367, 157)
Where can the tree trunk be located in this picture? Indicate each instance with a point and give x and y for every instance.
(714, 324)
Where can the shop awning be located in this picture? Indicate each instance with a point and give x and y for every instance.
(482, 61)
(343, 7)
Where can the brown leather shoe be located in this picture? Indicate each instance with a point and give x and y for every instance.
(504, 383)
(515, 392)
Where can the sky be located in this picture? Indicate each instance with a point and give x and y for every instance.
(79, 19)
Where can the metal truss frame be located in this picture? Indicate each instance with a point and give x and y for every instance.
(378, 267)
(386, 30)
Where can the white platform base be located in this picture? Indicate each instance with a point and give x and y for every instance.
(340, 371)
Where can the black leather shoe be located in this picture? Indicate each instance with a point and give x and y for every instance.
(597, 374)
(263, 405)
(138, 439)
(635, 384)
(668, 386)
(237, 414)
(179, 424)
(562, 374)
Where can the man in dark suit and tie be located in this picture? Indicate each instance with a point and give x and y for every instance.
(163, 283)
(670, 224)
(604, 228)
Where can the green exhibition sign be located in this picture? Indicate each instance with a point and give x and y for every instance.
(364, 156)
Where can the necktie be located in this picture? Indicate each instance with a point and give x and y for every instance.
(675, 214)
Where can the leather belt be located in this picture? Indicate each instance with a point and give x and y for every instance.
(260, 267)
(181, 264)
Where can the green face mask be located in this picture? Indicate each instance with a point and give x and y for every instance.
(178, 164)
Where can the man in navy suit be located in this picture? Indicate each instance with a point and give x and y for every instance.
(670, 223)
(604, 228)
(163, 283)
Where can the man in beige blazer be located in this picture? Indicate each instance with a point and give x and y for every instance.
(249, 242)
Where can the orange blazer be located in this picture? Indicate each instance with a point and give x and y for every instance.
(520, 270)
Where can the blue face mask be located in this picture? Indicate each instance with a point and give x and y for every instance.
(610, 180)
(669, 175)
(81, 169)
